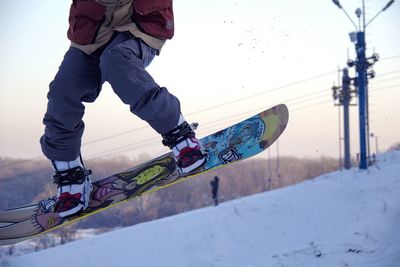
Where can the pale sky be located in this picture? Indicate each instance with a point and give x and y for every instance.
(229, 59)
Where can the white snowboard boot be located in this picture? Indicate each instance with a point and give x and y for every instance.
(73, 187)
(188, 151)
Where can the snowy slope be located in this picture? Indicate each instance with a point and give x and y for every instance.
(348, 218)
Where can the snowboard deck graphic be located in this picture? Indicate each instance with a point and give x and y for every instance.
(240, 141)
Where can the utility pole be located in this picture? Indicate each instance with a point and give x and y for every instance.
(346, 104)
(361, 68)
(376, 143)
(362, 64)
(344, 95)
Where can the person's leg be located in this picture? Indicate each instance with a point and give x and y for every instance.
(78, 80)
(123, 65)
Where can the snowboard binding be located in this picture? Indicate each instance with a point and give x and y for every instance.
(188, 150)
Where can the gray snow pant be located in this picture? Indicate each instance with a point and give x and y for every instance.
(79, 79)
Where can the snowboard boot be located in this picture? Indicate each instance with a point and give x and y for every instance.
(73, 191)
(73, 188)
(188, 151)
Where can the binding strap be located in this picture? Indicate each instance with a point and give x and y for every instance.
(72, 176)
(181, 132)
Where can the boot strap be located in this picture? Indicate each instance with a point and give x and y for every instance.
(176, 135)
(72, 176)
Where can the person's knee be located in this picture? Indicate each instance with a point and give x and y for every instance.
(118, 58)
(59, 91)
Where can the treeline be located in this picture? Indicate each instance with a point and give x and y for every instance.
(25, 182)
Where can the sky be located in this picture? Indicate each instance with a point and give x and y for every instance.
(228, 60)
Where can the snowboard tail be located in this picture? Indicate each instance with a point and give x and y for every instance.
(240, 141)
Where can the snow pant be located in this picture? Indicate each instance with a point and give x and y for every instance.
(80, 78)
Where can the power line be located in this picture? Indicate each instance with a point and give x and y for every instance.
(149, 141)
(114, 135)
(311, 105)
(224, 104)
(145, 142)
(233, 118)
(385, 88)
(389, 73)
(390, 57)
(227, 119)
(193, 113)
(385, 80)
(306, 95)
(213, 107)
(309, 96)
(217, 106)
(264, 92)
(207, 129)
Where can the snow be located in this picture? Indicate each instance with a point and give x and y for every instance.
(345, 218)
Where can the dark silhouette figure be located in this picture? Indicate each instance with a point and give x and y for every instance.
(214, 190)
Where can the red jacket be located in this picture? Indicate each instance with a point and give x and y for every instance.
(90, 20)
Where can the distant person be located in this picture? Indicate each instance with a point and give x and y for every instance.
(111, 41)
(214, 190)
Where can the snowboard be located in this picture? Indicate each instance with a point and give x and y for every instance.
(238, 142)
